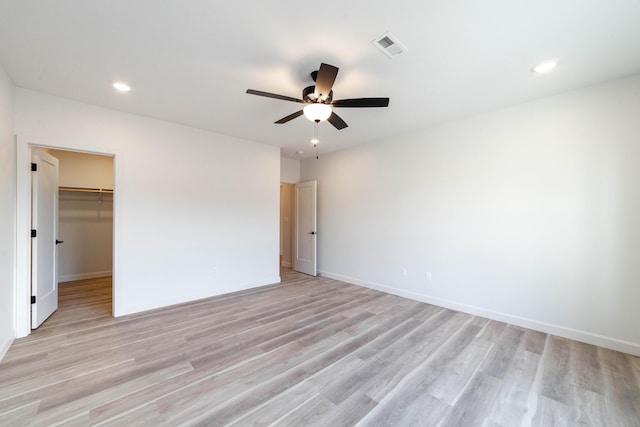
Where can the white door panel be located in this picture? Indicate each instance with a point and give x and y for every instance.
(304, 259)
(44, 219)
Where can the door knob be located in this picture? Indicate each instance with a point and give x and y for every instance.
(313, 232)
(59, 241)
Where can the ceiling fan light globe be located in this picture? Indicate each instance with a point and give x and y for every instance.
(317, 112)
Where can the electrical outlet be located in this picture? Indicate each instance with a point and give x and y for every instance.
(403, 272)
(428, 275)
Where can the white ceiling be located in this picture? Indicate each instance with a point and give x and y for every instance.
(191, 61)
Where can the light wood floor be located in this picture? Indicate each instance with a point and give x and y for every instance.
(309, 351)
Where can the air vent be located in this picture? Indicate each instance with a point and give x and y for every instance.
(389, 45)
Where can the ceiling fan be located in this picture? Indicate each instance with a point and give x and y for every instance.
(319, 99)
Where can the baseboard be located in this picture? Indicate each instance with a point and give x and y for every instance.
(84, 276)
(561, 331)
(4, 347)
(286, 264)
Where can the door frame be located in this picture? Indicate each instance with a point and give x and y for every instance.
(22, 280)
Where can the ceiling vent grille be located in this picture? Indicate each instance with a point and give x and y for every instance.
(389, 45)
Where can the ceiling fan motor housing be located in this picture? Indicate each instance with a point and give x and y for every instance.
(308, 95)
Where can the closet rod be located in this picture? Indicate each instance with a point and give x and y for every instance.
(87, 190)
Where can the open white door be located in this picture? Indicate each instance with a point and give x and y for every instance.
(304, 241)
(44, 220)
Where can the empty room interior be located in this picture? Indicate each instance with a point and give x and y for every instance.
(336, 214)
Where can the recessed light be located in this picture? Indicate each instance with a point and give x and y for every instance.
(544, 67)
(122, 87)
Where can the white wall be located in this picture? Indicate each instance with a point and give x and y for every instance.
(85, 220)
(84, 170)
(289, 170)
(7, 212)
(195, 213)
(529, 215)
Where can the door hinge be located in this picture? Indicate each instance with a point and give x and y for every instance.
(34, 167)
(33, 233)
(33, 299)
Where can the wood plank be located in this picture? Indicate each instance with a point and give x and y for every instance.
(473, 407)
(503, 352)
(511, 405)
(279, 407)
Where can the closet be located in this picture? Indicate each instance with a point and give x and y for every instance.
(85, 215)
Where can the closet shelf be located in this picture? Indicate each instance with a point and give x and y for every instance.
(86, 190)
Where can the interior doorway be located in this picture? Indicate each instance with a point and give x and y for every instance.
(85, 215)
(24, 148)
(85, 226)
(286, 225)
(298, 227)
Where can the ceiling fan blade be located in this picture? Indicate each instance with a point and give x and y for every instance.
(290, 117)
(324, 80)
(273, 95)
(361, 102)
(337, 121)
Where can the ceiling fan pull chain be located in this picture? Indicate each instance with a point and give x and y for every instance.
(315, 138)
